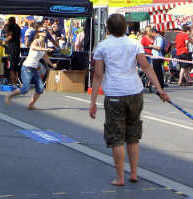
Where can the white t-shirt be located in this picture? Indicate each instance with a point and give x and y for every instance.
(33, 58)
(160, 43)
(119, 55)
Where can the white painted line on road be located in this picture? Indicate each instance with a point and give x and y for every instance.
(17, 122)
(167, 122)
(184, 99)
(143, 173)
(83, 100)
(7, 196)
(145, 116)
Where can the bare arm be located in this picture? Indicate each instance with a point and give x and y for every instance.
(155, 47)
(97, 80)
(78, 42)
(47, 60)
(27, 41)
(8, 37)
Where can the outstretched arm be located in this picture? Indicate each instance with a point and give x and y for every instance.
(47, 60)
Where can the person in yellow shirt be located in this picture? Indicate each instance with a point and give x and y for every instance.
(2, 54)
(133, 35)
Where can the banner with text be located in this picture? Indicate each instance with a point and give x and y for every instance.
(120, 3)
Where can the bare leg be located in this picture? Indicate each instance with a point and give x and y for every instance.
(11, 95)
(119, 158)
(186, 74)
(182, 70)
(133, 155)
(16, 77)
(13, 77)
(35, 97)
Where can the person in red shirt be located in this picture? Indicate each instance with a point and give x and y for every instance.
(182, 53)
(147, 41)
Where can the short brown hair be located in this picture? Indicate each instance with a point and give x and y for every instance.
(116, 25)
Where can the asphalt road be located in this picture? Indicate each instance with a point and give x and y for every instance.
(29, 169)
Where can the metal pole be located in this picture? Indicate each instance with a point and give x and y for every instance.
(99, 24)
(90, 53)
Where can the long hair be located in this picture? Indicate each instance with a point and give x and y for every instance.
(11, 20)
(37, 27)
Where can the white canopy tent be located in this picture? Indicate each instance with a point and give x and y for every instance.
(184, 10)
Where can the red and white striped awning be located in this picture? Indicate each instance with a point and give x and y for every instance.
(152, 7)
(157, 18)
(158, 14)
(165, 26)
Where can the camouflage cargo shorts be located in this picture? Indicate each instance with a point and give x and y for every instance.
(122, 119)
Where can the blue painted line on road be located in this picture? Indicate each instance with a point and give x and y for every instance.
(46, 137)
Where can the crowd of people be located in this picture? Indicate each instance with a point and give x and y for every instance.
(157, 47)
(72, 39)
(14, 37)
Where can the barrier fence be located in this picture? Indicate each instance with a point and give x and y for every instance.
(170, 59)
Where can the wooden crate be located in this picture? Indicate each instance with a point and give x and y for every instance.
(66, 81)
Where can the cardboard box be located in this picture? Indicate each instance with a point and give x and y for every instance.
(66, 81)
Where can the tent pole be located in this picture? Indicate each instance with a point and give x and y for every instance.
(90, 54)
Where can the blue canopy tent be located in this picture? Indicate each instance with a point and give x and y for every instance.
(57, 8)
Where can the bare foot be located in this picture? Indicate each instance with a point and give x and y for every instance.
(31, 107)
(117, 183)
(133, 178)
(7, 99)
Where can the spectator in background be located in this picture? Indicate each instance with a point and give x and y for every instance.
(56, 22)
(62, 42)
(182, 53)
(56, 30)
(1, 30)
(30, 34)
(3, 33)
(79, 43)
(75, 30)
(157, 50)
(60, 34)
(139, 36)
(13, 35)
(60, 26)
(47, 26)
(147, 41)
(173, 65)
(50, 44)
(190, 46)
(46, 23)
(132, 35)
(23, 31)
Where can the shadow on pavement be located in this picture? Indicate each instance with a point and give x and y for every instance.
(54, 168)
